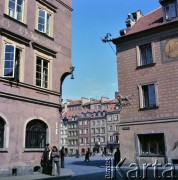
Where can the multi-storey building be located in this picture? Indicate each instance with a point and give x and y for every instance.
(147, 53)
(35, 46)
(87, 125)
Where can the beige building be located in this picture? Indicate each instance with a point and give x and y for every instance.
(147, 57)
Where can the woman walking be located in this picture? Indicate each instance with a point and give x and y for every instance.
(55, 161)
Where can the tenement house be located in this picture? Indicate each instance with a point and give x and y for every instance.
(35, 58)
(88, 125)
(147, 57)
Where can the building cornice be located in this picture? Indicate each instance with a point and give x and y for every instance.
(149, 121)
(65, 5)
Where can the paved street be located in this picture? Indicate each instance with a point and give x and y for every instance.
(95, 169)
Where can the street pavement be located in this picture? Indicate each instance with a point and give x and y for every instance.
(98, 169)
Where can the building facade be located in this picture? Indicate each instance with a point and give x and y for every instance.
(35, 58)
(147, 70)
(88, 125)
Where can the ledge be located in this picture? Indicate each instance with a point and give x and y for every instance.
(3, 150)
(34, 149)
(145, 66)
(15, 37)
(15, 20)
(44, 49)
(48, 4)
(44, 34)
(148, 108)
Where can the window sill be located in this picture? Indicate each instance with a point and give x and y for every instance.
(34, 149)
(145, 66)
(5, 150)
(15, 20)
(148, 108)
(45, 35)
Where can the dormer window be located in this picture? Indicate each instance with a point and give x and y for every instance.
(170, 11)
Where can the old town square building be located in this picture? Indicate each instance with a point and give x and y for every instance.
(35, 58)
(147, 57)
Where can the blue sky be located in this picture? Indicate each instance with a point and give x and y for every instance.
(94, 61)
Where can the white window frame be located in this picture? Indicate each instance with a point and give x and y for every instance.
(42, 85)
(21, 47)
(138, 53)
(51, 15)
(141, 94)
(15, 10)
(49, 59)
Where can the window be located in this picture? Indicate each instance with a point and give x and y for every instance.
(36, 131)
(148, 96)
(2, 124)
(44, 19)
(16, 9)
(110, 118)
(42, 72)
(110, 128)
(12, 62)
(170, 11)
(152, 144)
(111, 138)
(145, 55)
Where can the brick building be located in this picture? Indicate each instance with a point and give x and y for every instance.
(147, 57)
(35, 58)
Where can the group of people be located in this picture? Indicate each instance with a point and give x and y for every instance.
(52, 159)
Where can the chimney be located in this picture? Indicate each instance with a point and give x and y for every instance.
(84, 100)
(104, 99)
(129, 21)
(137, 15)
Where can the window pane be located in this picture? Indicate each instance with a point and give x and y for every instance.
(172, 10)
(146, 55)
(145, 96)
(48, 24)
(152, 98)
(12, 5)
(9, 60)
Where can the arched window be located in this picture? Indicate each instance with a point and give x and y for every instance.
(36, 134)
(2, 124)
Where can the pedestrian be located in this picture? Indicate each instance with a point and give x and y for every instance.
(62, 157)
(117, 156)
(87, 156)
(46, 162)
(77, 153)
(55, 161)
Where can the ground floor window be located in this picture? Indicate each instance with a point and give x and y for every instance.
(152, 144)
(2, 124)
(36, 132)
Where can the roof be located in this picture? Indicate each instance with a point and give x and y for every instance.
(152, 19)
(76, 102)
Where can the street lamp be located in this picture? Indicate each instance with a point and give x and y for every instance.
(65, 121)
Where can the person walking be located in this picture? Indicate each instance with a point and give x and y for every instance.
(117, 156)
(55, 161)
(87, 156)
(62, 157)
